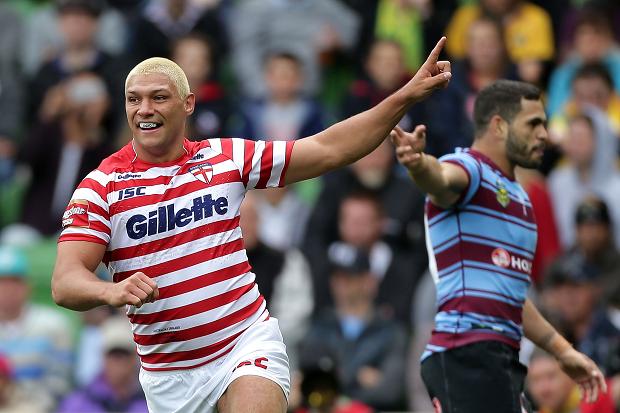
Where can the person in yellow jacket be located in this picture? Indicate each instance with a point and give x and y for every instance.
(528, 32)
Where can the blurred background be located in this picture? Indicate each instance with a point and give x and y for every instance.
(341, 259)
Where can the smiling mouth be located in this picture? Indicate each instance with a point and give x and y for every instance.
(147, 126)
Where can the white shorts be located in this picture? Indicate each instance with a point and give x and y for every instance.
(260, 351)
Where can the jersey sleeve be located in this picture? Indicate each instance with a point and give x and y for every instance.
(473, 170)
(261, 164)
(87, 217)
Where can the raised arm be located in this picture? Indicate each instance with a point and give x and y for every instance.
(577, 365)
(442, 181)
(357, 136)
(75, 285)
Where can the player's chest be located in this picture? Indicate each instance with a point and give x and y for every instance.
(143, 210)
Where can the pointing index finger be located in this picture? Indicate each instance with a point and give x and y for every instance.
(433, 57)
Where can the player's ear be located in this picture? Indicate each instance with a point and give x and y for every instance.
(499, 126)
(190, 103)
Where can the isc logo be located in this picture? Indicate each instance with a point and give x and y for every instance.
(131, 192)
(166, 218)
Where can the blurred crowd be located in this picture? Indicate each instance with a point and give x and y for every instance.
(341, 259)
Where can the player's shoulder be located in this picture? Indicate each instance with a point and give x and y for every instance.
(460, 155)
(119, 161)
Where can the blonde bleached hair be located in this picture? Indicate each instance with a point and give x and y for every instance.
(165, 67)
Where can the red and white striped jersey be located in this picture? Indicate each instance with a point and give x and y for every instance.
(178, 222)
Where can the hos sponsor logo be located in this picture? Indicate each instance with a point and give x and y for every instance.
(166, 218)
(76, 214)
(504, 259)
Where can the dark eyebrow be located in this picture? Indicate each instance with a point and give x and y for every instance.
(538, 121)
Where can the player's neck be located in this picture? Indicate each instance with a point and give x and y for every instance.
(496, 153)
(159, 155)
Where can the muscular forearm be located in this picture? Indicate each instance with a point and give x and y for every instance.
(541, 333)
(355, 137)
(79, 290)
(428, 176)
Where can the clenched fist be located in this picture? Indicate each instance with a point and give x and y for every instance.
(136, 290)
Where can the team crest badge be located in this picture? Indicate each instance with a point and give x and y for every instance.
(202, 172)
(501, 194)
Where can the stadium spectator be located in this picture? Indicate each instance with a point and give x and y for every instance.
(89, 346)
(11, 90)
(602, 341)
(484, 62)
(116, 389)
(593, 42)
(283, 218)
(527, 27)
(595, 253)
(592, 86)
(412, 24)
(360, 224)
(570, 295)
(78, 21)
(367, 349)
(62, 148)
(590, 149)
(37, 340)
(384, 72)
(401, 22)
(283, 277)
(195, 55)
(284, 113)
(44, 39)
(402, 204)
(161, 22)
(12, 398)
(554, 392)
(304, 28)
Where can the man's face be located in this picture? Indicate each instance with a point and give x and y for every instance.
(361, 224)
(194, 57)
(78, 28)
(592, 91)
(575, 301)
(527, 135)
(350, 289)
(485, 47)
(549, 386)
(283, 77)
(592, 43)
(579, 144)
(593, 237)
(156, 113)
(13, 297)
(385, 65)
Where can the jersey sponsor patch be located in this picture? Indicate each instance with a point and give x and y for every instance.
(76, 214)
(501, 257)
